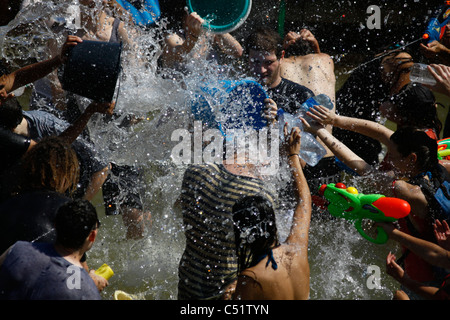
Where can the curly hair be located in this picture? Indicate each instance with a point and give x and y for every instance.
(52, 164)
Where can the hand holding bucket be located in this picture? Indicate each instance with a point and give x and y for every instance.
(92, 70)
(221, 16)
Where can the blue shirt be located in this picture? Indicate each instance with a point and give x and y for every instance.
(35, 271)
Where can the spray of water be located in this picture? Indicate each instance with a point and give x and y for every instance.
(148, 267)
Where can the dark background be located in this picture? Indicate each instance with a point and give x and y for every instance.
(341, 26)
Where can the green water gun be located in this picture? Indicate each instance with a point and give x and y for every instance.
(444, 149)
(347, 203)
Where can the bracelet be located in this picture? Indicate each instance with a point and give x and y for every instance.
(292, 155)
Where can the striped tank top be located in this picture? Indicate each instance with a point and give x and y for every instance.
(209, 262)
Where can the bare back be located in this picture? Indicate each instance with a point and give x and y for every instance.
(314, 71)
(289, 282)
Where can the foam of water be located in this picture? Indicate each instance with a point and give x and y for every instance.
(338, 255)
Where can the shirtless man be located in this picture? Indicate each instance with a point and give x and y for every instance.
(306, 65)
(310, 68)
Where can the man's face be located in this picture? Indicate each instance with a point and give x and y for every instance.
(265, 67)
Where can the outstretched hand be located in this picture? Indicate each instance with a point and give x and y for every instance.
(442, 233)
(71, 41)
(322, 115)
(441, 74)
(4, 95)
(393, 269)
(292, 140)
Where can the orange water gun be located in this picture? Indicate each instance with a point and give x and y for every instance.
(436, 27)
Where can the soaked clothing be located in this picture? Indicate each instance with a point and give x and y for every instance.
(360, 96)
(209, 262)
(289, 95)
(35, 271)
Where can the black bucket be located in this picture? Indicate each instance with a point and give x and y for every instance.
(92, 70)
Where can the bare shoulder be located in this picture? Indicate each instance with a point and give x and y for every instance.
(413, 195)
(402, 187)
(248, 287)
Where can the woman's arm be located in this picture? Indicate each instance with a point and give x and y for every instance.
(302, 214)
(339, 149)
(73, 131)
(368, 128)
(35, 71)
(397, 272)
(429, 251)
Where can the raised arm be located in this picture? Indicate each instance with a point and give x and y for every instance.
(339, 149)
(302, 214)
(229, 45)
(368, 128)
(429, 251)
(35, 71)
(73, 131)
(176, 47)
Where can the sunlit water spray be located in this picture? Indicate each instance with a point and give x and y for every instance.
(148, 268)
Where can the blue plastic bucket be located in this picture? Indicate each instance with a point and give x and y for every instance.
(239, 103)
(92, 70)
(221, 16)
(147, 15)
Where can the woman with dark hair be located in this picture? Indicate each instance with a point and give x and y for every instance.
(416, 176)
(268, 269)
(414, 106)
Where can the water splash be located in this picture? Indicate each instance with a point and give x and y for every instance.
(148, 267)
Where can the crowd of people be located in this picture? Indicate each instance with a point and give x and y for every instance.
(51, 170)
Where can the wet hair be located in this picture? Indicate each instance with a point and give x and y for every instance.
(10, 114)
(51, 164)
(74, 221)
(299, 48)
(266, 40)
(255, 230)
(416, 106)
(410, 140)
